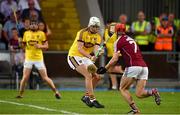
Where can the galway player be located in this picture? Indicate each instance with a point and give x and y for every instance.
(136, 69)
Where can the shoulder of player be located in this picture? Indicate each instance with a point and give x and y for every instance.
(40, 32)
(28, 32)
(83, 30)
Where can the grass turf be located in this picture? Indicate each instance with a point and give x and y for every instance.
(114, 103)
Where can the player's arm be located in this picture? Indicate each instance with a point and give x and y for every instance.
(44, 44)
(111, 63)
(113, 60)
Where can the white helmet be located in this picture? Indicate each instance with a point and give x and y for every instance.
(94, 21)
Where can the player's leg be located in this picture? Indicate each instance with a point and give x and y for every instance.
(128, 78)
(43, 73)
(89, 95)
(95, 79)
(125, 84)
(140, 87)
(25, 78)
(90, 82)
(113, 81)
(44, 76)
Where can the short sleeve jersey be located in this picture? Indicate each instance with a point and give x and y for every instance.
(130, 51)
(88, 39)
(31, 38)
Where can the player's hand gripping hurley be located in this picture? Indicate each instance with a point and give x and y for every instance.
(92, 68)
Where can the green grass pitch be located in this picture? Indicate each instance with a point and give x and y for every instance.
(70, 102)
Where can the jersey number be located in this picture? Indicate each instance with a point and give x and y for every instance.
(131, 41)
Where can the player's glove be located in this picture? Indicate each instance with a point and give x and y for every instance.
(101, 70)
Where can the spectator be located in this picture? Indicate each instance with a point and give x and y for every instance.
(27, 13)
(17, 53)
(174, 23)
(152, 36)
(2, 18)
(7, 7)
(2, 44)
(164, 35)
(44, 27)
(110, 32)
(157, 20)
(123, 20)
(141, 29)
(7, 29)
(26, 23)
(23, 4)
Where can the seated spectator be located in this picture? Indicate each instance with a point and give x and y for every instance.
(44, 27)
(7, 29)
(141, 28)
(6, 7)
(27, 12)
(16, 51)
(26, 23)
(2, 19)
(164, 34)
(2, 44)
(34, 16)
(23, 4)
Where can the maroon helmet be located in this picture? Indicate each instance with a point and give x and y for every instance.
(120, 27)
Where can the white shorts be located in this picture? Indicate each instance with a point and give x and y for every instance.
(38, 64)
(136, 72)
(75, 61)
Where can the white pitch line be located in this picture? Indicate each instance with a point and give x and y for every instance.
(38, 107)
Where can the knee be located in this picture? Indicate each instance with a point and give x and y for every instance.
(88, 77)
(25, 79)
(121, 89)
(45, 78)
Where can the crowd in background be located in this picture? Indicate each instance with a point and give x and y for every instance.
(159, 34)
(16, 17)
(18, 14)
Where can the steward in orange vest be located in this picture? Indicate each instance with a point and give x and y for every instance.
(164, 33)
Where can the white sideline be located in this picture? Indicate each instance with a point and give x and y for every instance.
(38, 107)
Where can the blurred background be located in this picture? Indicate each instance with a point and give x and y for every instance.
(63, 18)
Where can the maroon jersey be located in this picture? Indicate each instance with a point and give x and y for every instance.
(130, 51)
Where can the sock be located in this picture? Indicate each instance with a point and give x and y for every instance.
(133, 106)
(149, 92)
(114, 87)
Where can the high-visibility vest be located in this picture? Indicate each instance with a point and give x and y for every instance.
(166, 42)
(157, 21)
(177, 23)
(141, 39)
(127, 27)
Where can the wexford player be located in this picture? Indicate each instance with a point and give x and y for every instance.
(79, 58)
(34, 42)
(136, 69)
